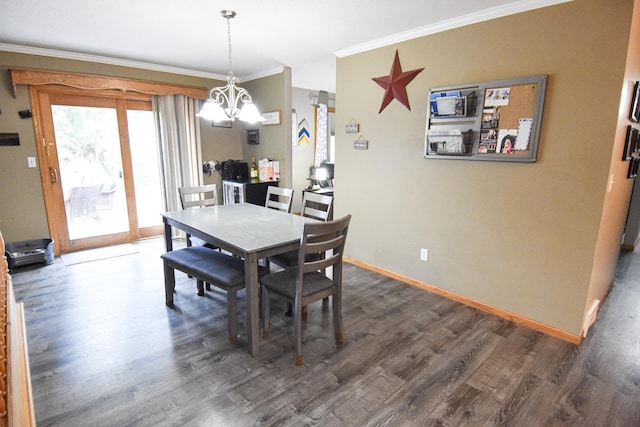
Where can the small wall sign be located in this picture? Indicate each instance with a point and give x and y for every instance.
(361, 143)
(271, 118)
(352, 127)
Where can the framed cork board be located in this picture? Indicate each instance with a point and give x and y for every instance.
(501, 122)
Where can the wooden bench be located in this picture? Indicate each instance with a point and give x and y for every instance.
(211, 267)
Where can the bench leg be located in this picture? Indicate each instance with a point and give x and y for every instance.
(232, 314)
(169, 285)
(200, 285)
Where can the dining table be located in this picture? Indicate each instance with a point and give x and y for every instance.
(249, 231)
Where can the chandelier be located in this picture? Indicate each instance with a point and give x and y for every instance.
(222, 103)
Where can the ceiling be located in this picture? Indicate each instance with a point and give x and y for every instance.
(190, 36)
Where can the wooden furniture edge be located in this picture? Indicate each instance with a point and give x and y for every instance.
(16, 395)
(532, 324)
(19, 391)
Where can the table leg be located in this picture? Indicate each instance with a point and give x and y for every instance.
(253, 313)
(168, 242)
(169, 273)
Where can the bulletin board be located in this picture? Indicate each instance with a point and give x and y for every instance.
(503, 125)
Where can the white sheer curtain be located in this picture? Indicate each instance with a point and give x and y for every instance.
(322, 133)
(178, 132)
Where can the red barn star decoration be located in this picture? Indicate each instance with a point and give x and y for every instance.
(395, 84)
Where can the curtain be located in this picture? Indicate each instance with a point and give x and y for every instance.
(178, 133)
(322, 133)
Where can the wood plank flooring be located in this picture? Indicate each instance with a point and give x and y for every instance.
(105, 351)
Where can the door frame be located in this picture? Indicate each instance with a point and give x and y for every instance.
(49, 166)
(86, 84)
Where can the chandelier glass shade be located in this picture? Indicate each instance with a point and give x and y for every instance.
(230, 102)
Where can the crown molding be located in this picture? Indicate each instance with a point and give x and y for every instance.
(438, 27)
(30, 50)
(265, 73)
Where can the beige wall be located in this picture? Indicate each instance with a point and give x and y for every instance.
(220, 144)
(612, 224)
(272, 93)
(223, 144)
(303, 154)
(520, 237)
(22, 212)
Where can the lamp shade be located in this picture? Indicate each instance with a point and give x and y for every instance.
(213, 111)
(249, 113)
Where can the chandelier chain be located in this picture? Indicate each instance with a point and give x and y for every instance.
(229, 39)
(223, 101)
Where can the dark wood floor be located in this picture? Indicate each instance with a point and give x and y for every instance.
(105, 351)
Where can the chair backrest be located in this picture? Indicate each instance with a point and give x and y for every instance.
(279, 198)
(83, 200)
(326, 238)
(317, 206)
(199, 196)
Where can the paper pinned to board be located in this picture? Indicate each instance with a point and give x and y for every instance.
(524, 134)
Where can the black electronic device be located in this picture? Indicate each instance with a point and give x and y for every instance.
(236, 170)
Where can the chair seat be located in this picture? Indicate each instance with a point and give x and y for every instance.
(283, 283)
(214, 267)
(199, 242)
(287, 259)
(290, 259)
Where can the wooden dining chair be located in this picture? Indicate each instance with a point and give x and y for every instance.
(307, 281)
(199, 196)
(316, 206)
(279, 198)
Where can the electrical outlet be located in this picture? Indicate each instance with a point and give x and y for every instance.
(31, 162)
(424, 254)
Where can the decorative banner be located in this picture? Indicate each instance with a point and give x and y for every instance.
(395, 84)
(321, 139)
(303, 132)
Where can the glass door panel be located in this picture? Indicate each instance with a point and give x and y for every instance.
(90, 162)
(146, 175)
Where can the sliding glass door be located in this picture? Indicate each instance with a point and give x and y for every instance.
(103, 184)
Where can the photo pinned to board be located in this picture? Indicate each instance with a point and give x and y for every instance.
(494, 97)
(507, 140)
